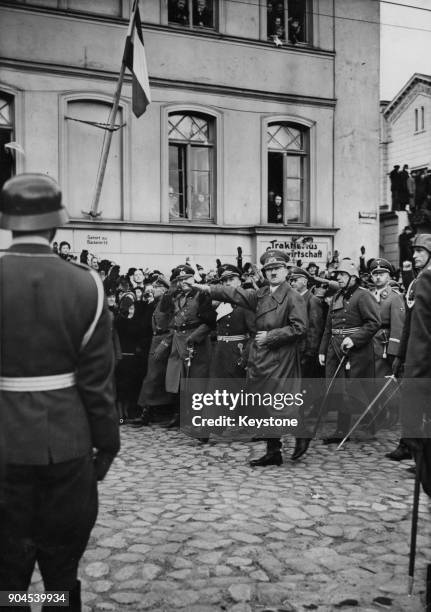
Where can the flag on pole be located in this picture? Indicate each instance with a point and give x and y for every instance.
(134, 59)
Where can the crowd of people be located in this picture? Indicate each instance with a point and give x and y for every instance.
(410, 191)
(207, 324)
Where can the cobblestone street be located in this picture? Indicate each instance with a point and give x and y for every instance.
(186, 526)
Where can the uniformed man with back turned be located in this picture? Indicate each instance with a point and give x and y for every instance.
(57, 414)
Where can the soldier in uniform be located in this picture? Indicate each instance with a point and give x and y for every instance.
(234, 326)
(422, 259)
(387, 339)
(193, 319)
(310, 367)
(57, 411)
(153, 393)
(281, 322)
(353, 319)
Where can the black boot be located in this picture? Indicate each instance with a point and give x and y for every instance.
(301, 447)
(273, 454)
(174, 422)
(268, 459)
(401, 453)
(144, 420)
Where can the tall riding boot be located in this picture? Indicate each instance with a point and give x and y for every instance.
(273, 454)
(343, 425)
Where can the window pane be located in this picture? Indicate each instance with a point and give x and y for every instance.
(84, 146)
(188, 127)
(203, 11)
(293, 189)
(294, 166)
(176, 182)
(178, 12)
(5, 118)
(284, 138)
(200, 179)
(293, 212)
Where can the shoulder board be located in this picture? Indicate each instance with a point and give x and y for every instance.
(397, 291)
(364, 289)
(429, 267)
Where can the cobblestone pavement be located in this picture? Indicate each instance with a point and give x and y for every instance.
(193, 527)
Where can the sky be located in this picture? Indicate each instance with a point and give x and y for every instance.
(405, 44)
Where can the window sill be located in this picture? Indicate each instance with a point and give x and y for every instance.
(419, 132)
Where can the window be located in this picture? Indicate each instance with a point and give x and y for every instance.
(287, 173)
(192, 13)
(419, 119)
(7, 154)
(84, 135)
(191, 167)
(287, 21)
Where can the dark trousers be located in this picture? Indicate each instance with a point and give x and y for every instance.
(46, 516)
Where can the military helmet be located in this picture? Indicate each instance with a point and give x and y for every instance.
(348, 266)
(423, 241)
(31, 201)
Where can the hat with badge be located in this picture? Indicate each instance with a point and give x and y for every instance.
(347, 266)
(31, 201)
(298, 273)
(274, 258)
(182, 272)
(228, 271)
(381, 265)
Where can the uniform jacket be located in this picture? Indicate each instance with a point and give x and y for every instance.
(47, 307)
(153, 391)
(392, 313)
(355, 308)
(192, 321)
(228, 359)
(283, 315)
(316, 324)
(418, 361)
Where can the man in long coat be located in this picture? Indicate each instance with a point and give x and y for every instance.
(192, 321)
(352, 321)
(310, 368)
(274, 362)
(56, 394)
(422, 259)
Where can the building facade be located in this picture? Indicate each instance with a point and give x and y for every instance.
(263, 129)
(405, 144)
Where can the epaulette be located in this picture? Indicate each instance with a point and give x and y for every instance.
(398, 291)
(367, 289)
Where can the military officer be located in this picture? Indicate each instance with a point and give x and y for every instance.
(421, 258)
(192, 321)
(310, 367)
(57, 411)
(353, 319)
(235, 327)
(392, 313)
(281, 321)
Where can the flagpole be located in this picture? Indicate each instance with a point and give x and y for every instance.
(112, 116)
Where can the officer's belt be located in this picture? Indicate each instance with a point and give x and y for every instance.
(232, 338)
(37, 383)
(186, 326)
(345, 332)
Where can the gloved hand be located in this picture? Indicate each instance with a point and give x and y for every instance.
(322, 359)
(346, 344)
